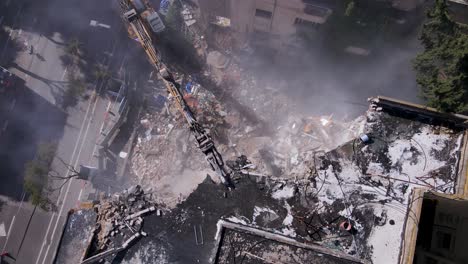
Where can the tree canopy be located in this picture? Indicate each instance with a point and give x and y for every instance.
(36, 173)
(442, 69)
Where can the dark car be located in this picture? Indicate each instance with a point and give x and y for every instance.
(6, 79)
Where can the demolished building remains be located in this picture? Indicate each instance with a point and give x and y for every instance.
(302, 188)
(359, 202)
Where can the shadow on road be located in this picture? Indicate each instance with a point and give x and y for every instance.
(8, 55)
(30, 120)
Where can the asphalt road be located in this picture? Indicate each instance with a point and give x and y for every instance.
(33, 234)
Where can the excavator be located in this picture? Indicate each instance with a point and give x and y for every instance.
(143, 24)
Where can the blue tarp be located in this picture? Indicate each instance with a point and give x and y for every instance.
(188, 87)
(164, 6)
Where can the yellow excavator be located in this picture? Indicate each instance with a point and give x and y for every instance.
(143, 22)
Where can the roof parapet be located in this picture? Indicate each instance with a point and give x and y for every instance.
(421, 112)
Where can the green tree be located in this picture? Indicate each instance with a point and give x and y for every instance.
(75, 88)
(442, 69)
(74, 47)
(174, 18)
(101, 72)
(36, 173)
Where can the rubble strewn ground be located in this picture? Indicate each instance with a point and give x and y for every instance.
(249, 248)
(77, 236)
(352, 199)
(343, 185)
(165, 149)
(166, 158)
(118, 222)
(376, 179)
(243, 116)
(365, 186)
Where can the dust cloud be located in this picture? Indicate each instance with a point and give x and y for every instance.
(320, 84)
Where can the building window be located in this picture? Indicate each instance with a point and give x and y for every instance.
(316, 10)
(430, 260)
(299, 22)
(444, 240)
(263, 13)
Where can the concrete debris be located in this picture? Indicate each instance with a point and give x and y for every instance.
(142, 212)
(165, 149)
(217, 60)
(119, 221)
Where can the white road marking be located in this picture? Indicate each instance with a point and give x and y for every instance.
(108, 106)
(102, 128)
(9, 229)
(2, 230)
(9, 232)
(104, 25)
(68, 172)
(71, 180)
(63, 74)
(79, 196)
(43, 244)
(13, 220)
(77, 160)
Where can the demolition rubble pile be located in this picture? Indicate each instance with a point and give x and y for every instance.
(278, 143)
(243, 116)
(355, 198)
(120, 220)
(166, 150)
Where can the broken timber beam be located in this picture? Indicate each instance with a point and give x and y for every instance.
(223, 224)
(142, 212)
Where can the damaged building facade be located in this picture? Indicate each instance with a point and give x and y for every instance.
(271, 22)
(274, 23)
(362, 201)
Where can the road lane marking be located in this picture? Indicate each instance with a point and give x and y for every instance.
(79, 196)
(8, 233)
(68, 172)
(94, 97)
(101, 130)
(63, 74)
(13, 221)
(9, 229)
(43, 244)
(3, 232)
(71, 180)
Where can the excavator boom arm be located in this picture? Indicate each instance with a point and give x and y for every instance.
(204, 141)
